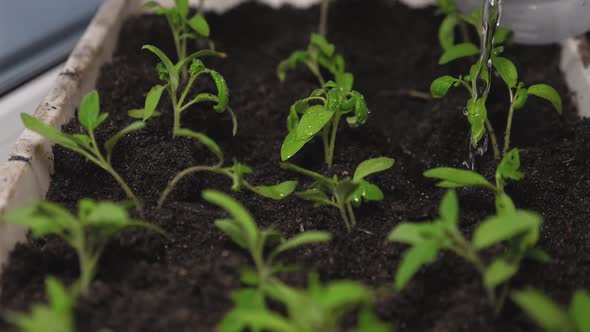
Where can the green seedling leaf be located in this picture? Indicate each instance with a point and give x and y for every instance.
(497, 229)
(200, 54)
(440, 87)
(522, 95)
(138, 114)
(413, 233)
(301, 240)
(539, 255)
(292, 145)
(112, 142)
(233, 231)
(312, 122)
(171, 70)
(372, 166)
(458, 51)
(502, 36)
(368, 192)
(200, 25)
(499, 272)
(542, 310)
(222, 91)
(422, 253)
(89, 111)
(316, 196)
(151, 101)
(548, 93)
(446, 32)
(509, 168)
(240, 215)
(322, 44)
(507, 70)
(345, 81)
(579, 310)
(182, 7)
(505, 205)
(456, 178)
(48, 132)
(277, 192)
(344, 190)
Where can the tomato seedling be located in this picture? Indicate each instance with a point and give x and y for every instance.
(264, 246)
(345, 193)
(519, 230)
(320, 116)
(88, 233)
(552, 317)
(90, 118)
(182, 26)
(169, 73)
(318, 308)
(236, 173)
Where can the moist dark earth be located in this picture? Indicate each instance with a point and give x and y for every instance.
(147, 283)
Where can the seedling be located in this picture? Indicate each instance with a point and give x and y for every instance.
(183, 28)
(236, 173)
(508, 169)
(264, 246)
(320, 54)
(88, 233)
(320, 116)
(319, 308)
(346, 193)
(55, 316)
(477, 113)
(90, 118)
(169, 73)
(520, 230)
(551, 316)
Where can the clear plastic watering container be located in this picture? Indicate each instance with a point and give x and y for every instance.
(540, 21)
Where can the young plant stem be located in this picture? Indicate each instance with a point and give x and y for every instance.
(344, 216)
(508, 125)
(351, 214)
(323, 29)
(332, 143)
(494, 140)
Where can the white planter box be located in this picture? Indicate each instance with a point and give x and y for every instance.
(26, 177)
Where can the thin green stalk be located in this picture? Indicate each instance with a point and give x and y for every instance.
(326, 141)
(332, 144)
(317, 73)
(323, 29)
(344, 217)
(494, 140)
(177, 111)
(304, 171)
(351, 214)
(508, 125)
(186, 89)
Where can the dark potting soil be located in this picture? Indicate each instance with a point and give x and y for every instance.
(147, 283)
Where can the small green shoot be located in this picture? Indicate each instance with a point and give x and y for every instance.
(183, 28)
(551, 316)
(88, 233)
(320, 54)
(90, 118)
(320, 116)
(519, 230)
(55, 316)
(318, 308)
(508, 170)
(181, 101)
(236, 173)
(346, 193)
(264, 246)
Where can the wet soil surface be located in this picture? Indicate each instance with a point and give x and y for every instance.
(147, 283)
